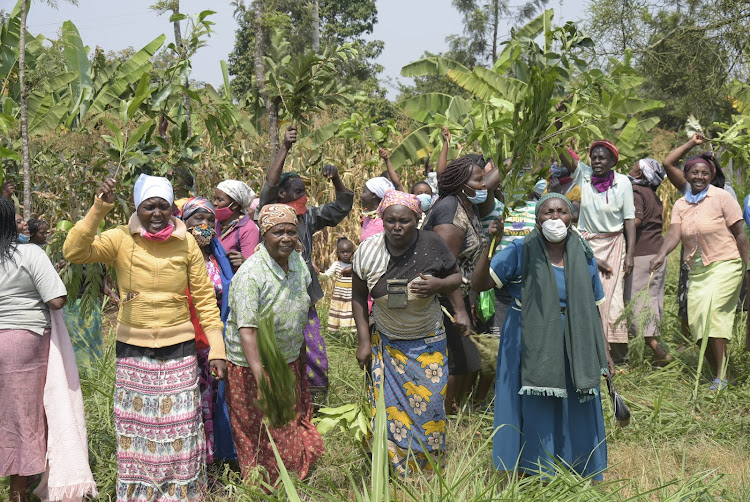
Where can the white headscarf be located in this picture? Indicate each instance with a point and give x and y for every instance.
(152, 186)
(238, 191)
(379, 186)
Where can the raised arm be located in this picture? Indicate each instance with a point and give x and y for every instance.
(277, 165)
(331, 214)
(481, 280)
(674, 173)
(395, 179)
(567, 160)
(443, 159)
(82, 245)
(492, 180)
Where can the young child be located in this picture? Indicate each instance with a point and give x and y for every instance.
(340, 312)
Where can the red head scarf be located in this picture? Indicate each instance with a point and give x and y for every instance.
(608, 145)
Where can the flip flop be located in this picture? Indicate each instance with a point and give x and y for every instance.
(718, 384)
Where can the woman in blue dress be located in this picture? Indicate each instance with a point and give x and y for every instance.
(552, 354)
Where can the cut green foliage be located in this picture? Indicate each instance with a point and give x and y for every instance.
(277, 394)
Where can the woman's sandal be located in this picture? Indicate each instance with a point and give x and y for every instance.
(718, 384)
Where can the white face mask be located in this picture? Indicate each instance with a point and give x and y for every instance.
(554, 230)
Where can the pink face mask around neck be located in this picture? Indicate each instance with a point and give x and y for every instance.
(159, 236)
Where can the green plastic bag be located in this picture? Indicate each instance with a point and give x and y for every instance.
(485, 306)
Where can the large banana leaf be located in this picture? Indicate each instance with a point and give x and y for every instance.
(484, 84)
(9, 53)
(632, 106)
(421, 108)
(45, 113)
(76, 61)
(410, 147)
(127, 73)
(434, 65)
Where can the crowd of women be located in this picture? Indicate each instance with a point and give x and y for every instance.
(196, 280)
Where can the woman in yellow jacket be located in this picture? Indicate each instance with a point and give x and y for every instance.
(160, 439)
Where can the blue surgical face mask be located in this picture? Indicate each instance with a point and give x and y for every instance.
(479, 196)
(426, 201)
(23, 238)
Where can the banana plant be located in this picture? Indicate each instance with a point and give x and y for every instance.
(537, 96)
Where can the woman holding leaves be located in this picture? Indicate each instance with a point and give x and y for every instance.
(548, 409)
(161, 446)
(607, 222)
(708, 222)
(404, 269)
(271, 284)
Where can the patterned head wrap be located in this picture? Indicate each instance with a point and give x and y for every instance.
(197, 204)
(274, 214)
(608, 145)
(147, 187)
(238, 191)
(548, 196)
(396, 198)
(379, 186)
(652, 171)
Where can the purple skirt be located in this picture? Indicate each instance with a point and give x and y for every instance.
(317, 358)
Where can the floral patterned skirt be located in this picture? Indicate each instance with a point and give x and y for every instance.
(161, 446)
(415, 376)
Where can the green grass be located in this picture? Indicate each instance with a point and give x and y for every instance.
(676, 448)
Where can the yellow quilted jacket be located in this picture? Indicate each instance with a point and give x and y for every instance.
(152, 277)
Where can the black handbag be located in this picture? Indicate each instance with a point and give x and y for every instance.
(622, 413)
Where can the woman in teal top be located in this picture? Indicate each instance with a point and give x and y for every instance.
(552, 351)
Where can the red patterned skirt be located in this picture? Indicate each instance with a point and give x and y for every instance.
(298, 443)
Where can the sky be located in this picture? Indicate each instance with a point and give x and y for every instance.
(408, 28)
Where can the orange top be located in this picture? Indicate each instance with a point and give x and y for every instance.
(705, 226)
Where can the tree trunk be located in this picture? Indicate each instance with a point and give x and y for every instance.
(178, 43)
(316, 25)
(496, 22)
(272, 108)
(26, 161)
